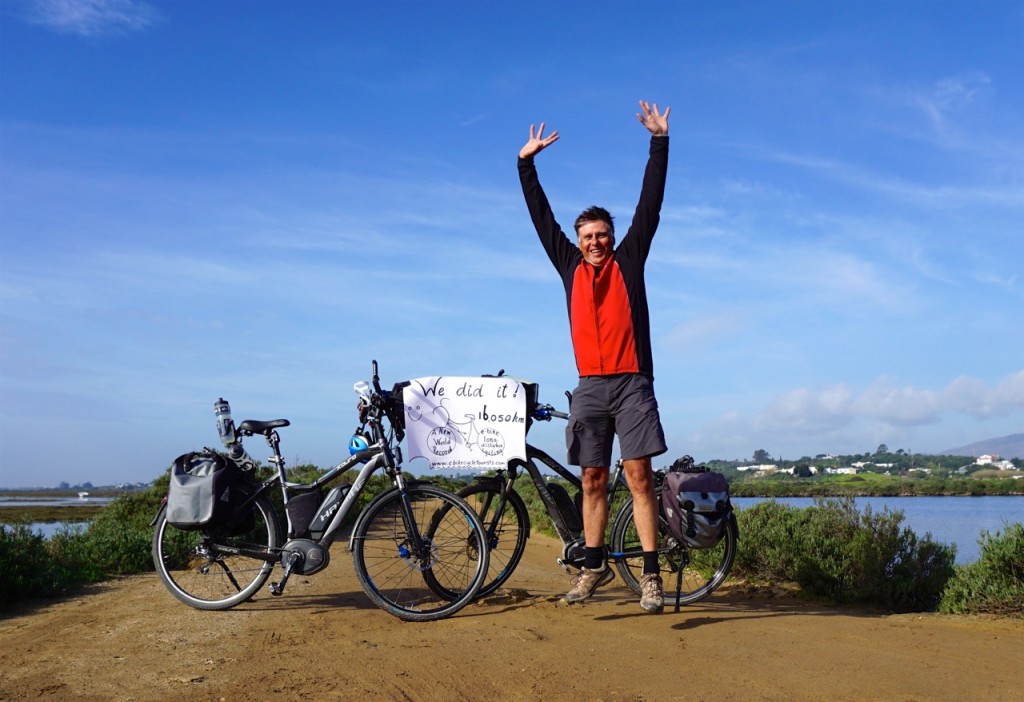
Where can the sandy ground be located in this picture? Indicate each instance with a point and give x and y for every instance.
(323, 640)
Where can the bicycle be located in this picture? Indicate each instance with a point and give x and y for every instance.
(696, 572)
(419, 551)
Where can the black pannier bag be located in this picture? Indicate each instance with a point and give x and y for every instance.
(200, 494)
(696, 505)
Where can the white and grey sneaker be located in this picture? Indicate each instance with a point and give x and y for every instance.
(584, 584)
(652, 598)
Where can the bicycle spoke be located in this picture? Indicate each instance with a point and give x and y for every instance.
(431, 583)
(702, 570)
(208, 574)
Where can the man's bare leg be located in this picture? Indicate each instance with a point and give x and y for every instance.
(645, 501)
(595, 505)
(645, 517)
(595, 572)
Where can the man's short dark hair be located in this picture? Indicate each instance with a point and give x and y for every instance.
(594, 214)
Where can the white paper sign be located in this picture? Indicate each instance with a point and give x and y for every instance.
(465, 423)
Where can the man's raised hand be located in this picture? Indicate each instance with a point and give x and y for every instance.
(538, 142)
(655, 122)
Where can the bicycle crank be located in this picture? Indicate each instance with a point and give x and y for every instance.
(572, 556)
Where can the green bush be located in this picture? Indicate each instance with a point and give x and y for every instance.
(768, 548)
(118, 541)
(835, 552)
(24, 564)
(994, 584)
(31, 565)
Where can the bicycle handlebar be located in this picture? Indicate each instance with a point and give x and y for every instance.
(544, 413)
(376, 378)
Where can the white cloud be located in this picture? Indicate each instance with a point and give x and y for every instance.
(951, 95)
(902, 406)
(91, 17)
(970, 396)
(803, 410)
(905, 191)
(817, 418)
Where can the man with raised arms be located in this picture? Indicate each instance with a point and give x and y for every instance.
(610, 328)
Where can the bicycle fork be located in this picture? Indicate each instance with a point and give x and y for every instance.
(415, 550)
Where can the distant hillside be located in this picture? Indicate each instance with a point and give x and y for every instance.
(1011, 446)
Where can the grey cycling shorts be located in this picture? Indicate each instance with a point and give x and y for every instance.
(603, 406)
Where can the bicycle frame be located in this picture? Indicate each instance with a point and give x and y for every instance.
(572, 539)
(379, 454)
(558, 521)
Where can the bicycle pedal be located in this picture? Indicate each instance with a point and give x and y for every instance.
(276, 589)
(569, 568)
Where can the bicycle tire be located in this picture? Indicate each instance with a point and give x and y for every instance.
(506, 532)
(197, 569)
(704, 571)
(435, 583)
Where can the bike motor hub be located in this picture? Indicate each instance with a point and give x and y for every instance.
(312, 556)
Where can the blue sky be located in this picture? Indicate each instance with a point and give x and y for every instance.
(255, 199)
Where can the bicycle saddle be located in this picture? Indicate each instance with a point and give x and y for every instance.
(254, 426)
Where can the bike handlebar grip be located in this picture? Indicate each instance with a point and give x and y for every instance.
(546, 412)
(376, 378)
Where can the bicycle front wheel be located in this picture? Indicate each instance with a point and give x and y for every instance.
(702, 570)
(222, 568)
(425, 578)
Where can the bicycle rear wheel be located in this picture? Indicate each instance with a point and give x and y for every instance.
(506, 531)
(703, 570)
(434, 580)
(210, 569)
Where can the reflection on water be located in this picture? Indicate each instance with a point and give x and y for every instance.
(35, 501)
(49, 529)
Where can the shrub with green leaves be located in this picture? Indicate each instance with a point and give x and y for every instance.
(834, 551)
(24, 564)
(32, 565)
(118, 541)
(768, 548)
(994, 584)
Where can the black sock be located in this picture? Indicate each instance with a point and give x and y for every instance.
(651, 562)
(593, 557)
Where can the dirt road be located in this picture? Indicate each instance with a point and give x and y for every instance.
(323, 640)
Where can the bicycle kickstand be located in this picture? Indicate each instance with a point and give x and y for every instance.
(294, 558)
(679, 586)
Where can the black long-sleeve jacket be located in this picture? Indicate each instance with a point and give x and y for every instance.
(608, 315)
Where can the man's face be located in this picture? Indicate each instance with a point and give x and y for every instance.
(596, 242)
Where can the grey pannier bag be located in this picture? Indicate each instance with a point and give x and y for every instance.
(200, 490)
(696, 504)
